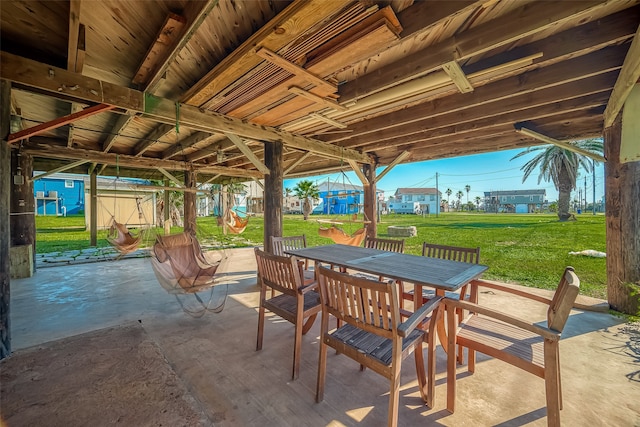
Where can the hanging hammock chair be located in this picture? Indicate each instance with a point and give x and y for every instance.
(338, 235)
(181, 268)
(121, 238)
(236, 225)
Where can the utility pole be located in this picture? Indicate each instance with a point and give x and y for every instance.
(585, 193)
(594, 185)
(437, 197)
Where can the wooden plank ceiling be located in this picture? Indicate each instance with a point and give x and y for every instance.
(132, 87)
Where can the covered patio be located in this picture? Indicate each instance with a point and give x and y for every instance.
(219, 91)
(84, 335)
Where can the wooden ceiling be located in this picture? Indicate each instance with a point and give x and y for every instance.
(150, 88)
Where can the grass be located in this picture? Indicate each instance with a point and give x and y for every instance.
(529, 249)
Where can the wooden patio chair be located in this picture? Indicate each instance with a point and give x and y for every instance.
(372, 333)
(528, 346)
(296, 302)
(281, 244)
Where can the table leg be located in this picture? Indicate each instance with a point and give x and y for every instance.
(441, 329)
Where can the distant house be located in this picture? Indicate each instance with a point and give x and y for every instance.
(515, 201)
(428, 198)
(340, 198)
(68, 194)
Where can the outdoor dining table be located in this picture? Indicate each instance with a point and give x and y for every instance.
(423, 272)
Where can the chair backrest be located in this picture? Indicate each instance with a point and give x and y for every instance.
(366, 304)
(282, 273)
(184, 261)
(563, 300)
(281, 244)
(453, 253)
(391, 245)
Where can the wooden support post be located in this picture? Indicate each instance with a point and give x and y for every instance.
(93, 210)
(190, 203)
(23, 221)
(166, 211)
(622, 186)
(370, 200)
(273, 192)
(5, 188)
(224, 209)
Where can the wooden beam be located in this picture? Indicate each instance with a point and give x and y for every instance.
(521, 22)
(59, 169)
(60, 152)
(5, 219)
(194, 20)
(248, 153)
(209, 180)
(74, 32)
(53, 124)
(121, 123)
(75, 108)
(561, 144)
(168, 37)
(286, 27)
(328, 120)
(402, 156)
(454, 71)
(152, 138)
(359, 173)
(627, 78)
(188, 142)
(175, 180)
(317, 99)
(62, 84)
(295, 69)
(296, 163)
(260, 184)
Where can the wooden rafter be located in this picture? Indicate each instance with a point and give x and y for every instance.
(401, 157)
(82, 88)
(328, 120)
(61, 121)
(627, 79)
(562, 144)
(152, 138)
(317, 99)
(359, 173)
(454, 71)
(512, 26)
(296, 163)
(167, 38)
(277, 33)
(59, 169)
(122, 160)
(74, 33)
(248, 153)
(295, 69)
(188, 142)
(117, 129)
(175, 180)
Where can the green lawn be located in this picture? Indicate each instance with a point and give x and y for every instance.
(529, 249)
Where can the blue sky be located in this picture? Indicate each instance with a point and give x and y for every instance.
(483, 172)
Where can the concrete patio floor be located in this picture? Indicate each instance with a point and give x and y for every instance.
(215, 361)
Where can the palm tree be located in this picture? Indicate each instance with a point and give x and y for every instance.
(467, 189)
(448, 197)
(561, 166)
(459, 195)
(478, 200)
(306, 190)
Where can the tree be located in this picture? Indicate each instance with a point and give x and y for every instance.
(561, 166)
(478, 200)
(467, 189)
(448, 192)
(459, 195)
(306, 190)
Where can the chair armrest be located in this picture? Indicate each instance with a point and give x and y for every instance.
(519, 292)
(506, 318)
(308, 288)
(406, 327)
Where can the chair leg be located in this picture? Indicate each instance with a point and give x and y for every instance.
(297, 348)
(260, 327)
(394, 395)
(552, 385)
(322, 370)
(451, 361)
